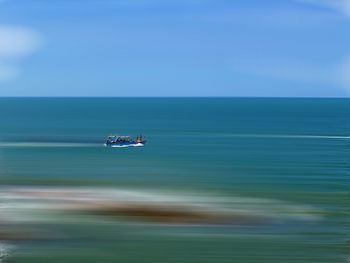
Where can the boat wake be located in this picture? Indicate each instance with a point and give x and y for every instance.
(45, 144)
(126, 146)
(60, 144)
(286, 136)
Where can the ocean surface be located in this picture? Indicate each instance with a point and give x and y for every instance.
(282, 165)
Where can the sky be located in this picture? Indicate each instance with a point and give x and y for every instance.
(175, 48)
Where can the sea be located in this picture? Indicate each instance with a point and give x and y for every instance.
(277, 168)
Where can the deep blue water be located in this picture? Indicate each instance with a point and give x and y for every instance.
(286, 150)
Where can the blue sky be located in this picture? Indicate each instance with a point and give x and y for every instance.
(283, 48)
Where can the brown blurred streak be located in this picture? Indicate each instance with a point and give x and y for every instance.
(175, 215)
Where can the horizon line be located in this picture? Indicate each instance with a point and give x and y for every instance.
(172, 97)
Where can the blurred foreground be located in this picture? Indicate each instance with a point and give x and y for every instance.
(32, 214)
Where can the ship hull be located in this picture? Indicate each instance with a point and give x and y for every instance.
(125, 144)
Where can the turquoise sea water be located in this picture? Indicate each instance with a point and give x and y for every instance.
(266, 154)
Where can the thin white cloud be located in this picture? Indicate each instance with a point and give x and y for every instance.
(340, 74)
(342, 6)
(16, 43)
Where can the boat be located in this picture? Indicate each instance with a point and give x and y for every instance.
(125, 141)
